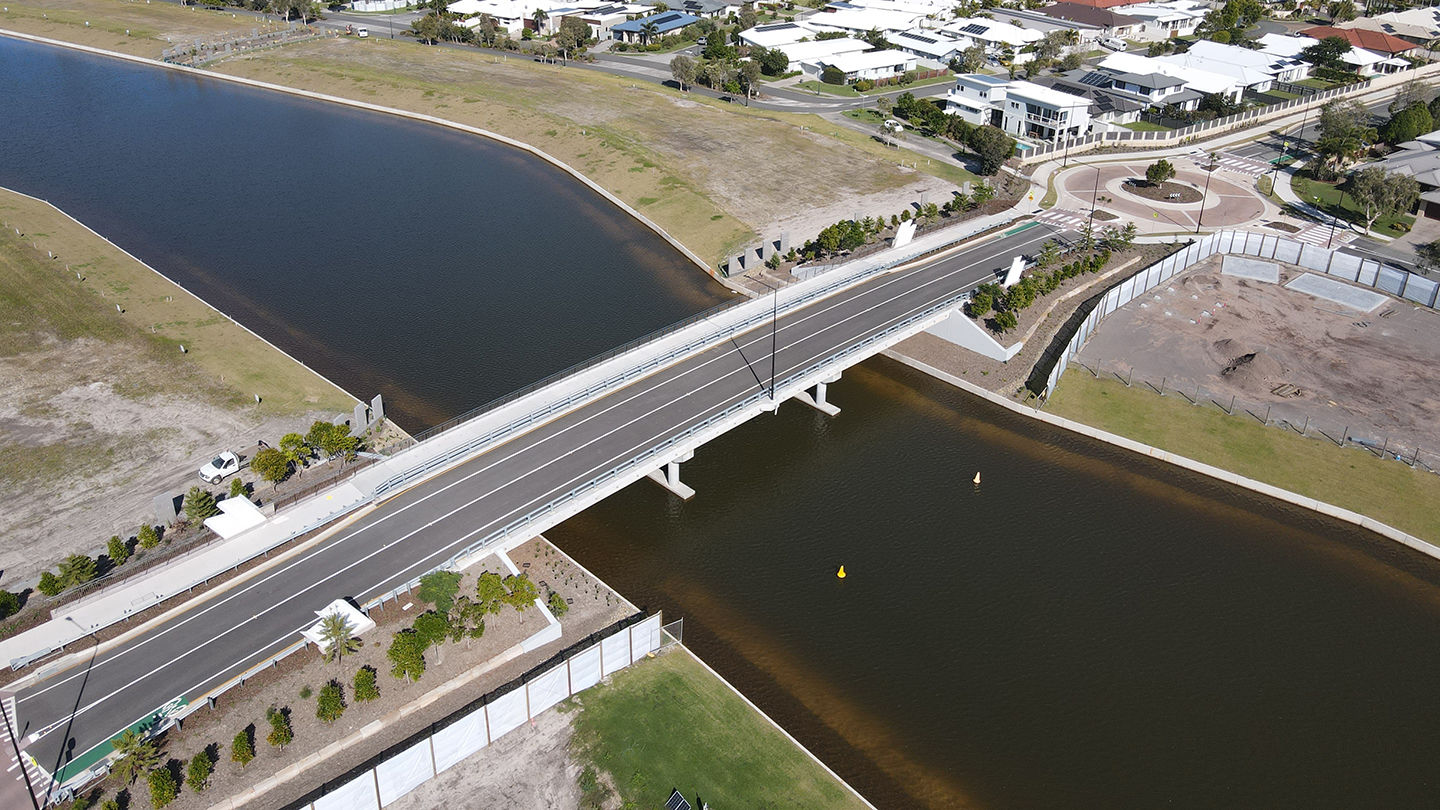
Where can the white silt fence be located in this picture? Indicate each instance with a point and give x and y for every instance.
(1368, 272)
(421, 759)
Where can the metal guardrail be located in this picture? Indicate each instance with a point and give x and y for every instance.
(549, 409)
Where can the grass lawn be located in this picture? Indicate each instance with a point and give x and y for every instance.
(849, 91)
(143, 29)
(1145, 126)
(829, 89)
(1319, 84)
(36, 300)
(669, 723)
(1386, 490)
(1335, 202)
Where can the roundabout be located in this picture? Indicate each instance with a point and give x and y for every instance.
(1176, 205)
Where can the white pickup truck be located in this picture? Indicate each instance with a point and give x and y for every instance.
(219, 468)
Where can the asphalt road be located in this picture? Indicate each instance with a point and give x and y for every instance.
(190, 656)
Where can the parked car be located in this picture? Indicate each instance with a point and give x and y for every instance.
(219, 468)
(1113, 43)
(362, 32)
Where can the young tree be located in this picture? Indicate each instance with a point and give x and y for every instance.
(432, 629)
(237, 487)
(573, 35)
(9, 604)
(200, 504)
(147, 537)
(295, 449)
(332, 440)
(523, 592)
(1048, 255)
(439, 589)
(163, 789)
(135, 755)
(331, 702)
(77, 569)
(467, 619)
(407, 655)
(972, 59)
(992, 145)
(750, 79)
(242, 748)
(365, 687)
(648, 30)
(1382, 194)
(557, 604)
(117, 550)
(1159, 171)
(49, 584)
(281, 734)
(490, 591)
(197, 773)
(338, 634)
(271, 465)
(683, 69)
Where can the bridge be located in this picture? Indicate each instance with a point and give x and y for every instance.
(500, 477)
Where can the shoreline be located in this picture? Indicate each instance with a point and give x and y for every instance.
(310, 95)
(1269, 490)
(182, 288)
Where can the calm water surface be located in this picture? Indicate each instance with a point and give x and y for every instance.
(1085, 629)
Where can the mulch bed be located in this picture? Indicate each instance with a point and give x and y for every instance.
(1162, 192)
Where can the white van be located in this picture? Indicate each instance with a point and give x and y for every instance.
(1113, 43)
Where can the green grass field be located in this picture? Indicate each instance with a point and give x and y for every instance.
(1335, 202)
(669, 723)
(1386, 490)
(1145, 126)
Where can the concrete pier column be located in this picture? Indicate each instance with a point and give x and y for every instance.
(668, 476)
(814, 396)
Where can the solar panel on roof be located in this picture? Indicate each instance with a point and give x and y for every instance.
(974, 28)
(676, 801)
(930, 40)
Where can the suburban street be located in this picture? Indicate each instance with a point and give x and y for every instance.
(62, 719)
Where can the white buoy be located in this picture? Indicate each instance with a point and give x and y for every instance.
(977, 479)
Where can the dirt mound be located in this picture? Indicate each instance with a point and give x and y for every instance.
(1252, 370)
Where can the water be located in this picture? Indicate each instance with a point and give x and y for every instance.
(1086, 628)
(437, 268)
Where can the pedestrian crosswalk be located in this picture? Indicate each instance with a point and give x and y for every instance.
(1061, 218)
(1243, 165)
(15, 791)
(1320, 235)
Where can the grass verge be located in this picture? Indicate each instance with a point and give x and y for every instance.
(127, 26)
(1335, 202)
(1386, 490)
(1145, 126)
(670, 723)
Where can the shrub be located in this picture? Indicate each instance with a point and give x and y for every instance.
(558, 605)
(242, 748)
(306, 692)
(365, 687)
(863, 85)
(50, 585)
(200, 504)
(9, 604)
(439, 589)
(271, 465)
(331, 703)
(832, 75)
(117, 550)
(163, 789)
(981, 302)
(147, 537)
(77, 569)
(197, 773)
(432, 628)
(237, 487)
(281, 734)
(407, 655)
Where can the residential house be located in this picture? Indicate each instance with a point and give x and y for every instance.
(1107, 106)
(1374, 41)
(871, 65)
(772, 35)
(995, 36)
(603, 19)
(932, 45)
(666, 22)
(1023, 109)
(1160, 21)
(978, 98)
(1420, 159)
(860, 20)
(1359, 60)
(1109, 23)
(1254, 71)
(1199, 80)
(1418, 25)
(1152, 90)
(801, 52)
(712, 9)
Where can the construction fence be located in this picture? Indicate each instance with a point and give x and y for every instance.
(1367, 272)
(422, 757)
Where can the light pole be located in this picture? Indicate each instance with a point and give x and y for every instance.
(774, 320)
(1209, 172)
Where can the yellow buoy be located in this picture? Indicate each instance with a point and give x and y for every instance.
(977, 479)
(841, 573)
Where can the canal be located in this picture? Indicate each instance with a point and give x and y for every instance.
(1085, 628)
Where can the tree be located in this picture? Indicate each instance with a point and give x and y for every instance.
(197, 773)
(1327, 52)
(281, 734)
(490, 590)
(467, 619)
(1345, 134)
(1071, 61)
(407, 655)
(331, 702)
(683, 69)
(773, 61)
(49, 584)
(337, 634)
(1407, 124)
(648, 30)
(432, 628)
(1005, 320)
(242, 748)
(750, 78)
(200, 504)
(272, 465)
(331, 439)
(538, 17)
(1052, 43)
(1341, 11)
(557, 604)
(428, 29)
(237, 487)
(1159, 171)
(118, 550)
(365, 687)
(1049, 254)
(523, 592)
(439, 589)
(295, 449)
(1382, 193)
(972, 59)
(77, 569)
(487, 32)
(993, 147)
(832, 75)
(9, 604)
(1410, 93)
(573, 35)
(147, 537)
(163, 789)
(134, 755)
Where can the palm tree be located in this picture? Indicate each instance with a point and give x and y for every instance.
(137, 755)
(648, 30)
(336, 633)
(539, 17)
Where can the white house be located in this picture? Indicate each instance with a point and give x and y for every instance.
(869, 65)
(602, 20)
(1252, 70)
(1197, 79)
(862, 20)
(1149, 89)
(773, 35)
(801, 52)
(929, 44)
(1178, 18)
(1023, 109)
(977, 98)
(1363, 62)
(995, 36)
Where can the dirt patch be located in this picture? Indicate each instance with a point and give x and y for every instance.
(1281, 353)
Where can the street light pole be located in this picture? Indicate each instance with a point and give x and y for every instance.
(774, 320)
(1209, 172)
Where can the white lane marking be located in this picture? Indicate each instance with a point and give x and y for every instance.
(909, 291)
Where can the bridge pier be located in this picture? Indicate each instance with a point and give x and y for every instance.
(668, 477)
(814, 396)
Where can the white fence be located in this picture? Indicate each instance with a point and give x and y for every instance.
(418, 760)
(1369, 272)
(380, 5)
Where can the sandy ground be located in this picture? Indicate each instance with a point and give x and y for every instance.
(1371, 372)
(528, 768)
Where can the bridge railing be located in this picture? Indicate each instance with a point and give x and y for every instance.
(732, 323)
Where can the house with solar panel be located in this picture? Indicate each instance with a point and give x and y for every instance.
(931, 45)
(666, 22)
(996, 37)
(1025, 110)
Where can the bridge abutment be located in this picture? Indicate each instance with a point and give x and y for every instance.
(668, 477)
(814, 396)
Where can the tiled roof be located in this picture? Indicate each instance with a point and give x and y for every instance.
(1377, 41)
